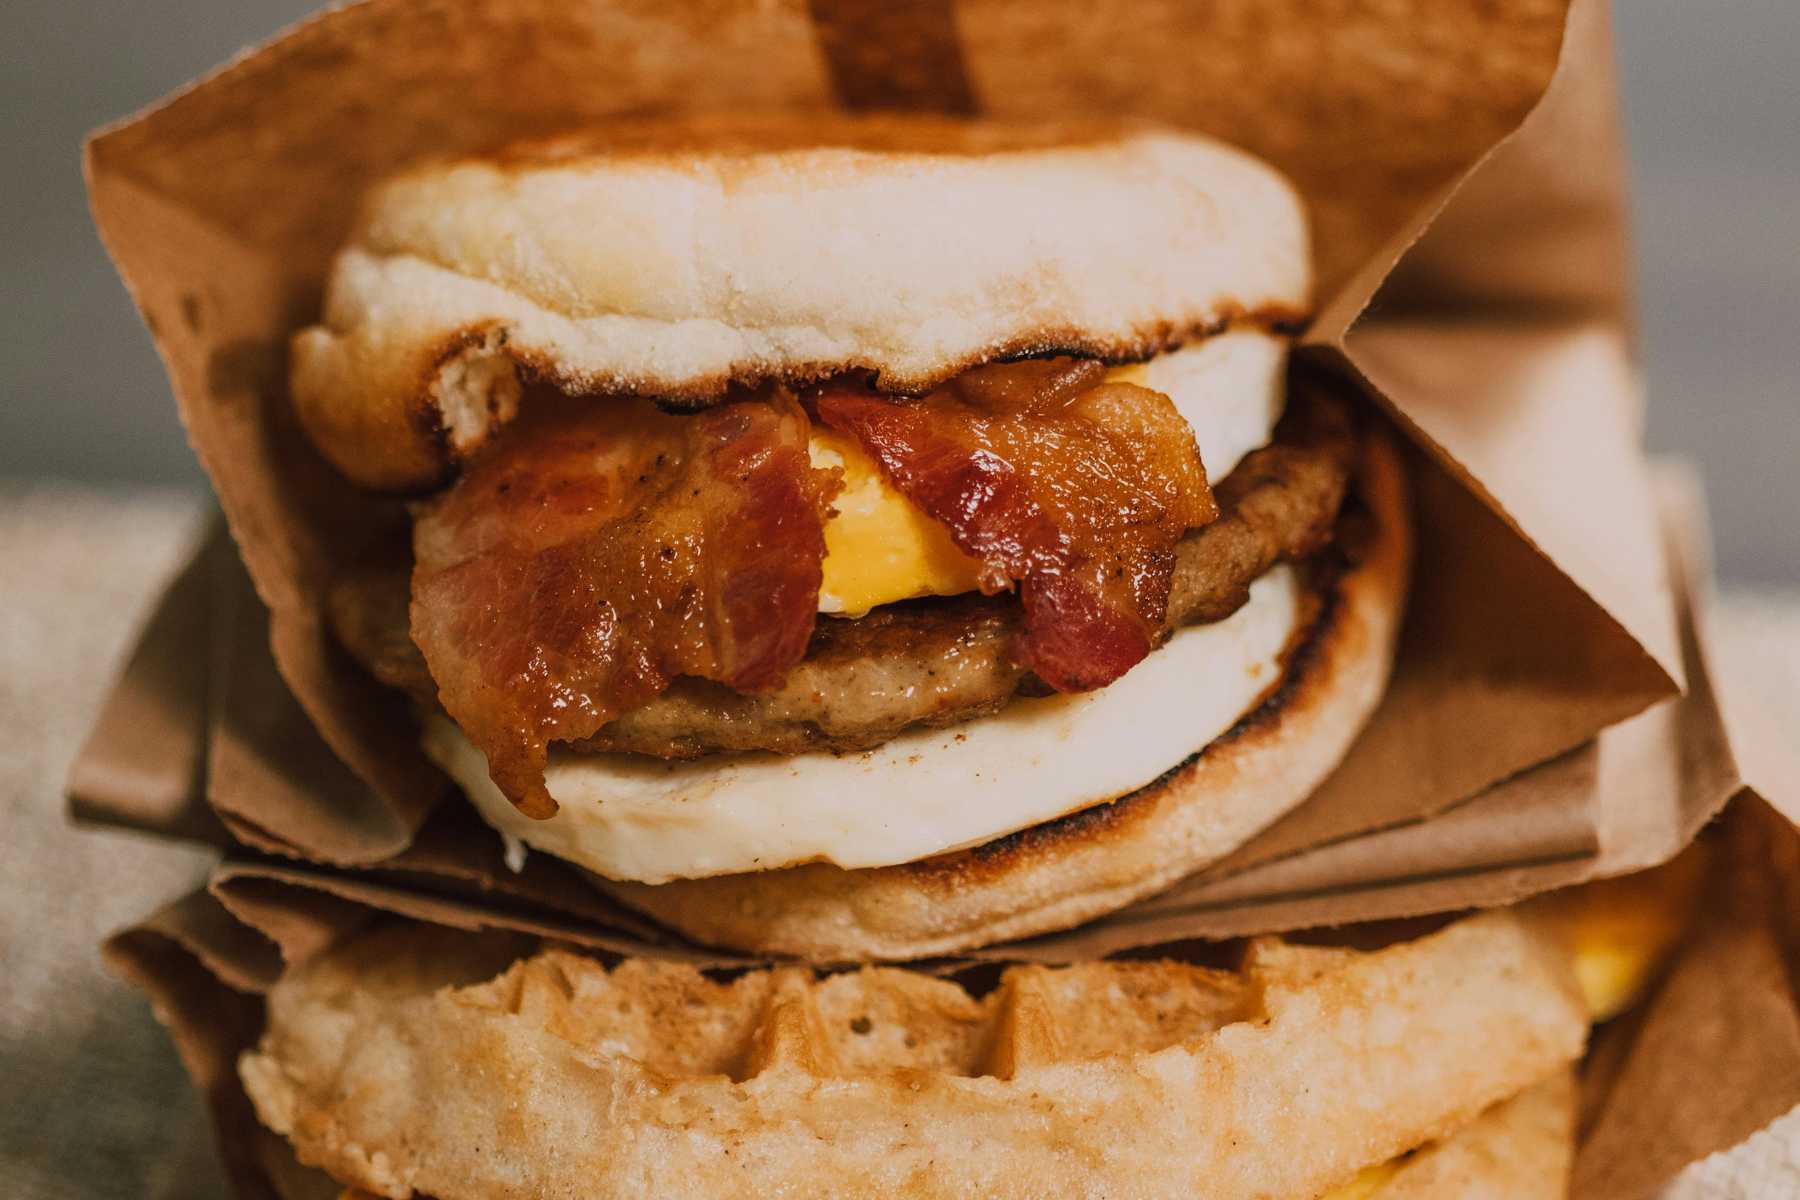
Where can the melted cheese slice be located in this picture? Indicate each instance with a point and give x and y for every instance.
(923, 793)
(1368, 1181)
(880, 548)
(1621, 931)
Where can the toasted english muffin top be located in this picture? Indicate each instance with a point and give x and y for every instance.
(672, 259)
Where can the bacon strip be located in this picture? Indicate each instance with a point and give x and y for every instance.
(936, 662)
(1076, 489)
(599, 549)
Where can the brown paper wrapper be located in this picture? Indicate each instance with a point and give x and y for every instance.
(1461, 162)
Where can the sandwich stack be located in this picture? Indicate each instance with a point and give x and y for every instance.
(976, 601)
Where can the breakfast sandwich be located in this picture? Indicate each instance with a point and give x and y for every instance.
(859, 538)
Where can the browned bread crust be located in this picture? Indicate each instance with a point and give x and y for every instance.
(671, 259)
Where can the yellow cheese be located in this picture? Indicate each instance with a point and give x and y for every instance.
(880, 548)
(1621, 931)
(1611, 968)
(1367, 1181)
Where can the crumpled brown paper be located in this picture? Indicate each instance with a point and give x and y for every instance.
(1541, 615)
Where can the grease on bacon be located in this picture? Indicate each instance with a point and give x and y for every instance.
(1073, 489)
(932, 662)
(598, 550)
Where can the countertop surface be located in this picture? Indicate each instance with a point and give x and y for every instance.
(94, 1102)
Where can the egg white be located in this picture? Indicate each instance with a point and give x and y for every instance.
(1230, 389)
(929, 791)
(923, 793)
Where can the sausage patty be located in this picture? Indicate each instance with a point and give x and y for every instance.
(933, 662)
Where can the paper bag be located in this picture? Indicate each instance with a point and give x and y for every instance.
(1462, 168)
(1441, 151)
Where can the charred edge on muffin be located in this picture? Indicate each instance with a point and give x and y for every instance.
(1066, 343)
(423, 409)
(423, 414)
(705, 393)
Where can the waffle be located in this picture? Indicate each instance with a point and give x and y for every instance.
(390, 1066)
(1520, 1149)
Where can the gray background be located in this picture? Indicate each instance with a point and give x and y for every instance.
(1713, 109)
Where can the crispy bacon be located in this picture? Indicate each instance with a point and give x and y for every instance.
(601, 548)
(934, 662)
(1075, 488)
